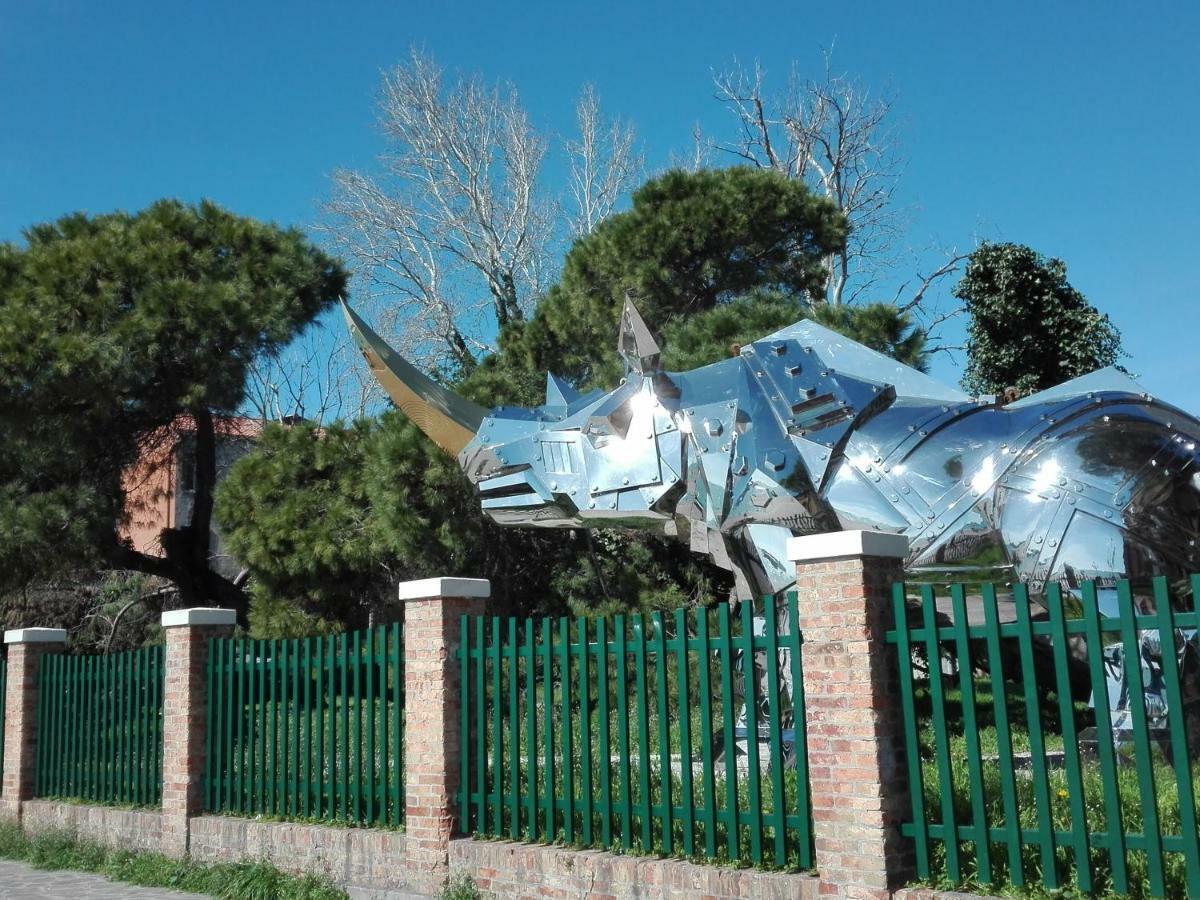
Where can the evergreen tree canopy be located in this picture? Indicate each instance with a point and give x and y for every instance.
(693, 341)
(1029, 329)
(689, 242)
(112, 328)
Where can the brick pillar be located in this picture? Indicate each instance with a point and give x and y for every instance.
(433, 609)
(26, 647)
(855, 729)
(184, 709)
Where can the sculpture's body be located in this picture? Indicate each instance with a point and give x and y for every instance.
(807, 431)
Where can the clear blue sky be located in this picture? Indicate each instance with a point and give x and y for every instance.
(1073, 127)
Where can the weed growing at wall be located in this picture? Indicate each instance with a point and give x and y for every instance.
(226, 881)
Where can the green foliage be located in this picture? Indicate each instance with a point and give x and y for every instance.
(689, 242)
(693, 341)
(1029, 328)
(328, 520)
(460, 886)
(229, 881)
(295, 510)
(712, 335)
(879, 326)
(111, 327)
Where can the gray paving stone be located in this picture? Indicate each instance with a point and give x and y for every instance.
(21, 882)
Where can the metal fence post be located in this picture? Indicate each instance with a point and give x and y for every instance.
(855, 728)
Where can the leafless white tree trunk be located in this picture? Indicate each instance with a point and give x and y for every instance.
(837, 137)
(605, 165)
(455, 228)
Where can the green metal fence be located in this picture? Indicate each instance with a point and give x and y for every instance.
(308, 728)
(1003, 793)
(100, 727)
(616, 733)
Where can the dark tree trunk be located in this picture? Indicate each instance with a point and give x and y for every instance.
(187, 548)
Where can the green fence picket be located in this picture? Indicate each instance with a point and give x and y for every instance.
(1066, 712)
(1180, 758)
(687, 816)
(664, 735)
(497, 732)
(602, 721)
(568, 766)
(645, 806)
(725, 652)
(966, 683)
(750, 685)
(1141, 738)
(1004, 761)
(775, 730)
(941, 737)
(793, 641)
(625, 800)
(548, 730)
(708, 776)
(531, 683)
(514, 730)
(585, 738)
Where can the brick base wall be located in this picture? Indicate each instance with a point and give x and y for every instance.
(351, 857)
(376, 860)
(133, 829)
(509, 869)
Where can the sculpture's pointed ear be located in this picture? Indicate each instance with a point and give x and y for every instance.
(635, 343)
(559, 394)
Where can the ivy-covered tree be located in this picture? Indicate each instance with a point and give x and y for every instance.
(1029, 328)
(113, 329)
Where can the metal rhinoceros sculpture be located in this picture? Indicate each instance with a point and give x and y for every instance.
(807, 431)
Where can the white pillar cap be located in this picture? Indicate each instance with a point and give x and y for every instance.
(36, 636)
(844, 544)
(199, 615)
(428, 588)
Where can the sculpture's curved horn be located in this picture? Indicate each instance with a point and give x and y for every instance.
(448, 420)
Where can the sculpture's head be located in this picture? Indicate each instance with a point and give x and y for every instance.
(598, 459)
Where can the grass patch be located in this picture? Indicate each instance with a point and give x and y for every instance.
(228, 881)
(1133, 806)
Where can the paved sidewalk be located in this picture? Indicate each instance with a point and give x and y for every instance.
(21, 882)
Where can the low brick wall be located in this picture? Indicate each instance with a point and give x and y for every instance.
(135, 829)
(351, 857)
(509, 869)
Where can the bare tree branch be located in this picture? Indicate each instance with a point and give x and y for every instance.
(455, 228)
(604, 164)
(835, 136)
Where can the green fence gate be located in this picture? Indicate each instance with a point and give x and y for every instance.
(308, 728)
(614, 733)
(1002, 792)
(100, 727)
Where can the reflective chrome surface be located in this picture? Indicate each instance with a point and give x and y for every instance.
(807, 431)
